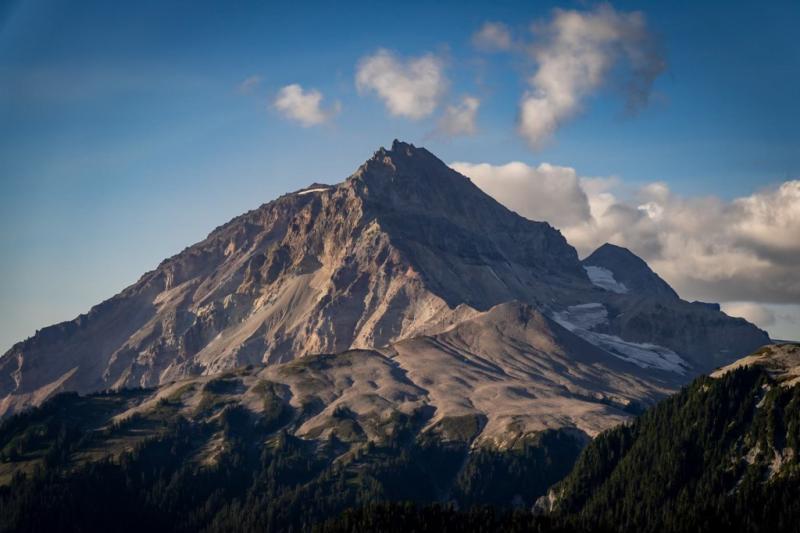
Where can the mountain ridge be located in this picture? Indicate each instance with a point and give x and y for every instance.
(405, 246)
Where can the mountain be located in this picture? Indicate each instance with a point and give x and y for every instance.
(720, 455)
(619, 270)
(399, 336)
(391, 259)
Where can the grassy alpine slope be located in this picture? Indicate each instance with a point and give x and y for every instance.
(199, 460)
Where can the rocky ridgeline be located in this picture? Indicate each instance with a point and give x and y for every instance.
(400, 259)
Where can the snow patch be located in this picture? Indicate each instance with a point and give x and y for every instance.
(644, 355)
(307, 191)
(604, 278)
(582, 319)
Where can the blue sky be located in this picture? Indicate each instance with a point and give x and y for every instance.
(125, 135)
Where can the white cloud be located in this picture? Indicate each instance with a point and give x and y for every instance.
(746, 249)
(575, 52)
(743, 250)
(249, 84)
(460, 119)
(546, 192)
(303, 106)
(757, 314)
(492, 37)
(770, 221)
(410, 88)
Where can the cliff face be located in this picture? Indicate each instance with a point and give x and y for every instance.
(404, 247)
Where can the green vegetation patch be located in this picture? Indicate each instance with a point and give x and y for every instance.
(720, 455)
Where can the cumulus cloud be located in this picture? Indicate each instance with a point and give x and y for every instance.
(575, 52)
(410, 88)
(249, 84)
(545, 192)
(460, 119)
(492, 37)
(770, 221)
(741, 250)
(303, 106)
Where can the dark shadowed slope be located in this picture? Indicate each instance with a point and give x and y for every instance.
(722, 455)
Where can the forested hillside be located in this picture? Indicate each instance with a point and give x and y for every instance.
(228, 470)
(723, 453)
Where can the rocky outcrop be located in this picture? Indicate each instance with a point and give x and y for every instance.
(780, 361)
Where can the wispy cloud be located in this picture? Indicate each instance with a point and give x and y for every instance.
(575, 52)
(303, 106)
(410, 88)
(493, 37)
(249, 84)
(461, 118)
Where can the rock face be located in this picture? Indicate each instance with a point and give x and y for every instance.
(403, 250)
(643, 308)
(629, 271)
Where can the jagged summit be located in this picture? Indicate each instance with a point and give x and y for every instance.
(404, 172)
(403, 248)
(398, 161)
(400, 151)
(410, 179)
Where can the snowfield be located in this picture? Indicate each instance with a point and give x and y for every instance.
(308, 191)
(604, 278)
(583, 319)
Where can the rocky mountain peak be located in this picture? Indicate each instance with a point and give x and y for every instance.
(622, 271)
(402, 154)
(410, 186)
(406, 246)
(465, 244)
(408, 178)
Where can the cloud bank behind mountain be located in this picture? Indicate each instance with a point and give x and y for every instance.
(743, 252)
